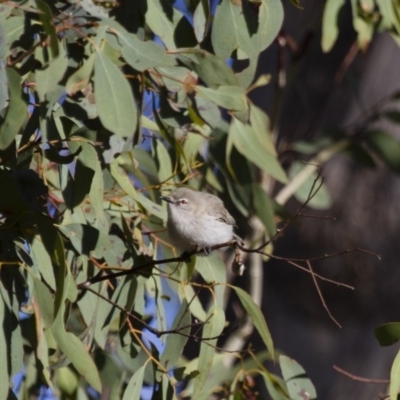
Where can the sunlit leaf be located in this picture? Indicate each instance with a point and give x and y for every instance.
(244, 138)
(114, 98)
(330, 23)
(212, 328)
(395, 378)
(297, 382)
(257, 317)
(134, 388)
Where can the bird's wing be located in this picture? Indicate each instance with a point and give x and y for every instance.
(227, 218)
(215, 203)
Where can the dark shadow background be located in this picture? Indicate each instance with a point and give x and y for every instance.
(320, 94)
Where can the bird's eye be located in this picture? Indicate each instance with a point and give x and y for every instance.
(183, 202)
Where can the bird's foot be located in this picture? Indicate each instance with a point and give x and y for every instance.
(207, 250)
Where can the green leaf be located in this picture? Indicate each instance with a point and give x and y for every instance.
(388, 334)
(46, 18)
(142, 55)
(230, 31)
(87, 239)
(114, 98)
(75, 188)
(232, 98)
(212, 328)
(162, 19)
(3, 44)
(4, 355)
(74, 349)
(330, 29)
(261, 127)
(395, 378)
(48, 78)
(364, 28)
(213, 270)
(45, 302)
(164, 162)
(247, 142)
(270, 19)
(127, 186)
(17, 111)
(236, 26)
(67, 381)
(297, 382)
(386, 147)
(276, 387)
(134, 388)
(254, 312)
(201, 16)
(14, 27)
(263, 208)
(3, 87)
(176, 342)
(212, 70)
(81, 77)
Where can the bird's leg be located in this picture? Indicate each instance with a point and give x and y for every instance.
(207, 250)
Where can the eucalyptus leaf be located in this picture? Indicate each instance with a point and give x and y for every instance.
(257, 317)
(113, 96)
(17, 111)
(296, 379)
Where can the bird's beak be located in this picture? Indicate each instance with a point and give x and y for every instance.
(166, 198)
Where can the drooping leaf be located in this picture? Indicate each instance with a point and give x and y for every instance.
(245, 140)
(263, 208)
(212, 328)
(4, 355)
(254, 312)
(395, 378)
(330, 23)
(46, 18)
(16, 113)
(48, 77)
(3, 87)
(134, 388)
(74, 349)
(113, 96)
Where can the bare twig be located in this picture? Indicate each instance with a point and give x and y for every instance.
(360, 378)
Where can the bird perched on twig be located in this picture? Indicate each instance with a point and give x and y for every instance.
(197, 220)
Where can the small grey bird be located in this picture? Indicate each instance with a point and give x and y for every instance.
(197, 220)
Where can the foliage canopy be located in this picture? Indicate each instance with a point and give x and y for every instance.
(103, 106)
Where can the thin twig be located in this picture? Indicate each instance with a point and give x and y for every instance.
(360, 378)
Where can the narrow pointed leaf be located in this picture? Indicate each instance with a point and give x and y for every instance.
(253, 310)
(114, 98)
